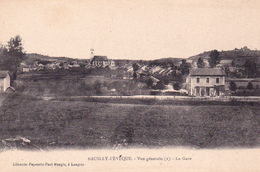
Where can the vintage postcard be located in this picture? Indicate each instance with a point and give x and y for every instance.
(129, 85)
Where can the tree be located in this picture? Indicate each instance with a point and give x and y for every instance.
(250, 68)
(149, 82)
(214, 58)
(185, 67)
(232, 63)
(200, 63)
(135, 68)
(250, 86)
(232, 86)
(12, 56)
(166, 81)
(14, 46)
(134, 75)
(160, 85)
(176, 86)
(183, 61)
(97, 86)
(105, 84)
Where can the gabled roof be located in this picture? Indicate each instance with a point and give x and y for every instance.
(154, 79)
(99, 58)
(225, 61)
(3, 73)
(207, 72)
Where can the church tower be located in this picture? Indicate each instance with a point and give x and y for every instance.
(91, 54)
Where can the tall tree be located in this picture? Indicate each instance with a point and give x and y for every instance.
(15, 46)
(135, 68)
(232, 63)
(97, 87)
(250, 68)
(12, 56)
(214, 58)
(200, 63)
(185, 67)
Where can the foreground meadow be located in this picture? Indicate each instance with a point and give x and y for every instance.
(81, 124)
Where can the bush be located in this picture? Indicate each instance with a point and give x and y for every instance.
(166, 81)
(176, 86)
(97, 87)
(233, 86)
(149, 82)
(250, 86)
(160, 85)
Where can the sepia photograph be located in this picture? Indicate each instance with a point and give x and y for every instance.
(129, 85)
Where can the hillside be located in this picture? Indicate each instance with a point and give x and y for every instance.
(30, 58)
(226, 55)
(171, 59)
(230, 54)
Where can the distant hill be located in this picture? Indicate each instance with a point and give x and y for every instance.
(172, 59)
(30, 58)
(165, 61)
(230, 54)
(226, 55)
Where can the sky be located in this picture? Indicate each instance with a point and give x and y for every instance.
(130, 29)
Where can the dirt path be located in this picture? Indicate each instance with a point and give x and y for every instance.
(238, 98)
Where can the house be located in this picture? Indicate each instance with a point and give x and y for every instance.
(4, 80)
(205, 82)
(25, 69)
(155, 69)
(155, 80)
(226, 62)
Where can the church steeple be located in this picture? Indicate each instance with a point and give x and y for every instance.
(92, 50)
(91, 53)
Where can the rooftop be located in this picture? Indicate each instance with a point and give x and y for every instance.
(207, 72)
(99, 58)
(3, 73)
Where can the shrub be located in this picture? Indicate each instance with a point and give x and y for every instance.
(149, 82)
(233, 86)
(160, 85)
(176, 86)
(97, 87)
(250, 86)
(166, 81)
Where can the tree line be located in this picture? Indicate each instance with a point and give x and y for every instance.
(12, 55)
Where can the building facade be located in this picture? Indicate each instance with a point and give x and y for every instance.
(100, 61)
(206, 82)
(4, 81)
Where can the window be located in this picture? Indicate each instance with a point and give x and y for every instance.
(207, 80)
(217, 80)
(198, 80)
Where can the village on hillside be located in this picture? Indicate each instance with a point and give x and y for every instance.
(210, 74)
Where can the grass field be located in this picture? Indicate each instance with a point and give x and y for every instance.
(80, 124)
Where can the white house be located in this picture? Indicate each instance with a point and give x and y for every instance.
(205, 82)
(4, 80)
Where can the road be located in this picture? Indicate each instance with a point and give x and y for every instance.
(227, 98)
